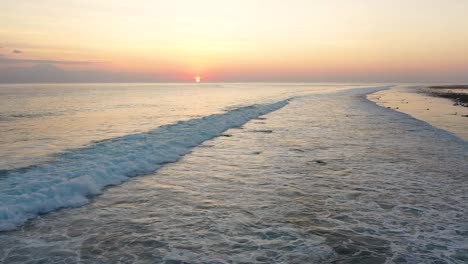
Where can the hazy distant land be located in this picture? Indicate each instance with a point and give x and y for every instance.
(458, 93)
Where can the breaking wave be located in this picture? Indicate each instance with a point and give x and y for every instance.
(80, 173)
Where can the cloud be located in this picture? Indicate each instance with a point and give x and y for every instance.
(17, 51)
(7, 60)
(48, 73)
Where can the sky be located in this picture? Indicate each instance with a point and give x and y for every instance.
(234, 40)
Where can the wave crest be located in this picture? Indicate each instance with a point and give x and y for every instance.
(80, 173)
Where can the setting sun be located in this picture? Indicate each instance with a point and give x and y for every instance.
(301, 131)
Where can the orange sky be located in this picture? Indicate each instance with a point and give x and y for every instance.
(242, 40)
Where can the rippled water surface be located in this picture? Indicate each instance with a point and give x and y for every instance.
(328, 178)
(38, 120)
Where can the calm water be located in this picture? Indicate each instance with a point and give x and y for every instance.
(300, 177)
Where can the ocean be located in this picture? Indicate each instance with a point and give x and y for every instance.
(225, 173)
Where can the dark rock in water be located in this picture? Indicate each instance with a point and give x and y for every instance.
(385, 206)
(175, 261)
(263, 131)
(460, 99)
(297, 150)
(454, 86)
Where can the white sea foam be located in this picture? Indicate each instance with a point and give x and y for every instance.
(80, 173)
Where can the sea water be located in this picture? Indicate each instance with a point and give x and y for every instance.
(38, 120)
(238, 173)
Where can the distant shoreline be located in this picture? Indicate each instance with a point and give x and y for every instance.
(457, 93)
(444, 106)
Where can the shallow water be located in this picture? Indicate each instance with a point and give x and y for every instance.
(437, 111)
(94, 154)
(329, 178)
(38, 120)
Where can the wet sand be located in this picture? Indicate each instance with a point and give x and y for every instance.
(435, 105)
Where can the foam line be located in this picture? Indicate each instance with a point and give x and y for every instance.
(80, 173)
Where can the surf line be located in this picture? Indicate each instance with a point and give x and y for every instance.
(80, 173)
